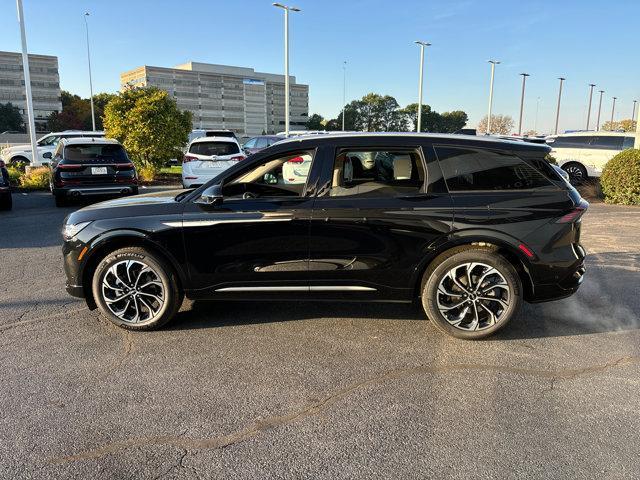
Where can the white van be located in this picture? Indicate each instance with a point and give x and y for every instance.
(584, 154)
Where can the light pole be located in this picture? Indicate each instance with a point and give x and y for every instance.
(286, 9)
(524, 81)
(633, 112)
(422, 45)
(591, 85)
(535, 122)
(562, 79)
(599, 110)
(613, 109)
(344, 91)
(493, 71)
(93, 114)
(27, 83)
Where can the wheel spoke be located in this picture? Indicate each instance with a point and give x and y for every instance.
(504, 304)
(142, 301)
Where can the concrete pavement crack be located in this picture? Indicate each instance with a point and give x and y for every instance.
(258, 426)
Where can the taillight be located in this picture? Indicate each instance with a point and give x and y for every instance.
(124, 166)
(238, 158)
(575, 214)
(70, 167)
(296, 160)
(189, 158)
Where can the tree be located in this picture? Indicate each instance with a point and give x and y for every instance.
(500, 124)
(373, 113)
(433, 121)
(10, 118)
(149, 124)
(76, 112)
(626, 125)
(315, 122)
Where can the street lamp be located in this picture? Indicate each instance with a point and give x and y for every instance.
(422, 45)
(613, 109)
(591, 85)
(535, 121)
(93, 115)
(27, 82)
(524, 81)
(286, 9)
(562, 79)
(599, 110)
(633, 112)
(493, 70)
(344, 91)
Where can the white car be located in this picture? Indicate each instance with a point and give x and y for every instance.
(22, 155)
(296, 170)
(208, 157)
(584, 154)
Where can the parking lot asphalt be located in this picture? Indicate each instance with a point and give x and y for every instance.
(316, 390)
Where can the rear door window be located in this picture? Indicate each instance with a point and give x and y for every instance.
(261, 143)
(607, 142)
(469, 169)
(377, 173)
(214, 148)
(92, 153)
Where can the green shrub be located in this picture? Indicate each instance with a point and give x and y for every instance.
(551, 159)
(147, 173)
(36, 179)
(620, 178)
(14, 175)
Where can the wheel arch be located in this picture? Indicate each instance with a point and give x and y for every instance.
(502, 244)
(115, 240)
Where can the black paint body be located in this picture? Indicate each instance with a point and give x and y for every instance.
(381, 245)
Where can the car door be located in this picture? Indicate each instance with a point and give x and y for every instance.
(381, 210)
(604, 148)
(257, 239)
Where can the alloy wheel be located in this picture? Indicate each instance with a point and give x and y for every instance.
(133, 291)
(576, 174)
(473, 296)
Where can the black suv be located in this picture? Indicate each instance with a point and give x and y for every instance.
(468, 226)
(6, 201)
(91, 166)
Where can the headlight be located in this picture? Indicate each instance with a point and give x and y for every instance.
(71, 230)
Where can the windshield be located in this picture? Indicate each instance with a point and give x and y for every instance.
(214, 148)
(82, 153)
(49, 140)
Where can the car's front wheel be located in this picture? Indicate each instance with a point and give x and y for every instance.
(471, 292)
(136, 290)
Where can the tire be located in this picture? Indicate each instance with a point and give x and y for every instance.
(503, 292)
(153, 306)
(20, 162)
(6, 202)
(577, 173)
(134, 191)
(61, 200)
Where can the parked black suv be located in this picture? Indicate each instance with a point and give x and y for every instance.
(6, 202)
(91, 166)
(470, 226)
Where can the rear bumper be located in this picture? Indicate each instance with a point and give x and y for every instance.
(563, 289)
(89, 190)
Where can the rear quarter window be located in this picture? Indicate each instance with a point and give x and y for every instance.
(214, 148)
(472, 169)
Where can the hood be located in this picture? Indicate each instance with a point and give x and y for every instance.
(156, 203)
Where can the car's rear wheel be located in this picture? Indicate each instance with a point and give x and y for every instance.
(471, 293)
(136, 290)
(6, 202)
(577, 173)
(61, 200)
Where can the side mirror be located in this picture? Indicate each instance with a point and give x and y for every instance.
(46, 155)
(211, 195)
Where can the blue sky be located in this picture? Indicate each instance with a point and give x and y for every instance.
(587, 41)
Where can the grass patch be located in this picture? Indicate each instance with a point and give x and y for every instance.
(172, 170)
